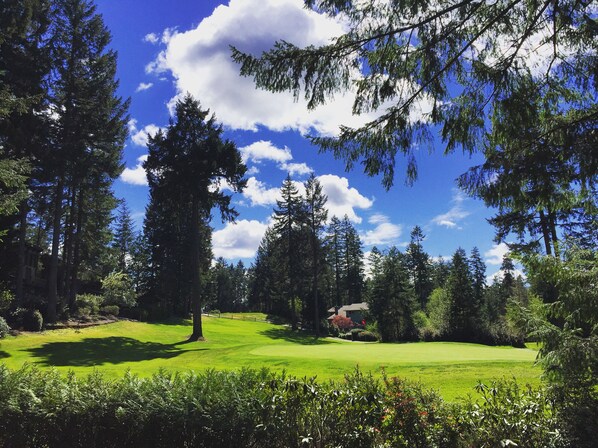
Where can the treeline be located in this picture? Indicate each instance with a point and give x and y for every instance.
(307, 264)
(62, 131)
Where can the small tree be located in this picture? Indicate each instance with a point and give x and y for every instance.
(117, 289)
(342, 323)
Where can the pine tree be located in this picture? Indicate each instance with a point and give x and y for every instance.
(418, 262)
(354, 268)
(290, 217)
(460, 290)
(317, 214)
(478, 274)
(124, 236)
(89, 134)
(184, 168)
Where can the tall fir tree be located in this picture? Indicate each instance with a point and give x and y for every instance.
(418, 262)
(185, 166)
(317, 215)
(290, 217)
(89, 133)
(124, 236)
(460, 290)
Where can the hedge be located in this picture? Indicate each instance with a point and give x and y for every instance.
(41, 408)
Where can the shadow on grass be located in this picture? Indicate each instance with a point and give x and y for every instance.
(293, 336)
(95, 351)
(4, 355)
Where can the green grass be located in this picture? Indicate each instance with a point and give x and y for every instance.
(451, 368)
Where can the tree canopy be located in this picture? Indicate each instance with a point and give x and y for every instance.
(452, 63)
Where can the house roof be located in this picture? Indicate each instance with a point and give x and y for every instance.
(342, 311)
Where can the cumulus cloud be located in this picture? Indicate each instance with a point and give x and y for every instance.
(152, 38)
(455, 215)
(238, 240)
(200, 63)
(342, 199)
(495, 255)
(258, 193)
(265, 150)
(135, 176)
(140, 136)
(144, 86)
(296, 169)
(385, 233)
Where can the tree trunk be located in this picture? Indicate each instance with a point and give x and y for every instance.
(76, 260)
(197, 334)
(20, 277)
(316, 304)
(53, 268)
(545, 232)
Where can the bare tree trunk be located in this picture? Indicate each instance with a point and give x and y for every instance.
(197, 334)
(53, 268)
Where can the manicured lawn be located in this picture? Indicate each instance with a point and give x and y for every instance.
(142, 348)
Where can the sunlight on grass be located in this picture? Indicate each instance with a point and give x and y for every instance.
(144, 348)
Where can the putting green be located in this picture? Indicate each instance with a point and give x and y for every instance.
(144, 348)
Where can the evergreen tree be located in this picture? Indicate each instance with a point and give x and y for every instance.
(24, 67)
(290, 217)
(392, 300)
(184, 167)
(418, 262)
(124, 236)
(335, 255)
(478, 274)
(89, 134)
(353, 262)
(315, 201)
(462, 314)
(450, 55)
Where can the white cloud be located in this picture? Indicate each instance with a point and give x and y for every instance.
(144, 86)
(152, 38)
(252, 170)
(200, 63)
(378, 218)
(140, 136)
(135, 176)
(300, 169)
(384, 233)
(342, 199)
(455, 215)
(259, 194)
(265, 150)
(495, 255)
(238, 240)
(498, 276)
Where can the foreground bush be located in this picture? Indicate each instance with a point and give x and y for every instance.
(253, 408)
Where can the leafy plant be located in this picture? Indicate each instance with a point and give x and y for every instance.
(117, 289)
(4, 328)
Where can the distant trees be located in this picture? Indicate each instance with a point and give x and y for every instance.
(302, 266)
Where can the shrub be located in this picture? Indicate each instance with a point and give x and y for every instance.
(6, 299)
(117, 289)
(4, 328)
(33, 320)
(342, 323)
(367, 336)
(88, 304)
(110, 310)
(27, 319)
(505, 414)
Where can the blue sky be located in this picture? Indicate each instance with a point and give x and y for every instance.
(167, 49)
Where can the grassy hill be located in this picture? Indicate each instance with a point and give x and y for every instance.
(144, 348)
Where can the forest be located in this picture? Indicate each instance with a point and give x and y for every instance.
(69, 248)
